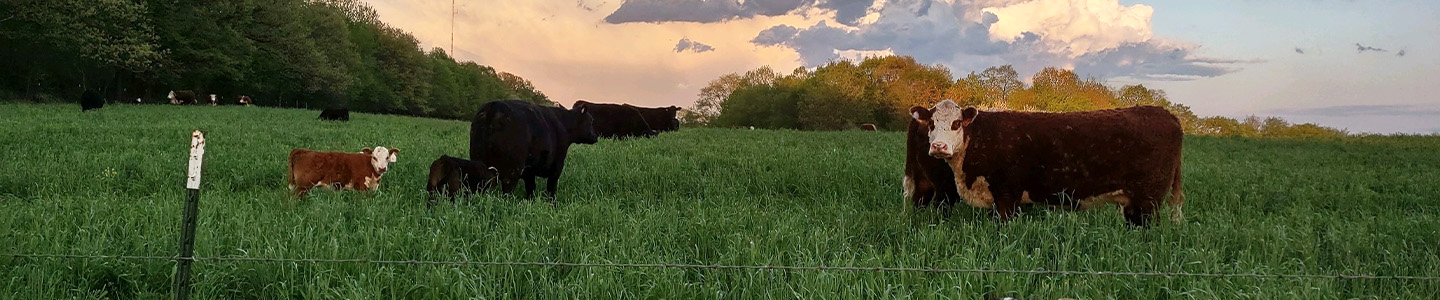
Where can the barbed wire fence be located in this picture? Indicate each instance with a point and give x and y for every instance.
(185, 258)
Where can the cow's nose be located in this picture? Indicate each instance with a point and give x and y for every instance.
(939, 148)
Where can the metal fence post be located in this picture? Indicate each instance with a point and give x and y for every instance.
(187, 229)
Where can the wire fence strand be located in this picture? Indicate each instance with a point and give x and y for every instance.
(737, 267)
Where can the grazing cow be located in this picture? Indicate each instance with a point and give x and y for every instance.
(91, 100)
(617, 121)
(451, 175)
(244, 100)
(335, 114)
(182, 97)
(867, 127)
(357, 171)
(1126, 156)
(661, 118)
(928, 180)
(523, 140)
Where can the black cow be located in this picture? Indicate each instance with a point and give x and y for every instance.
(335, 114)
(523, 140)
(449, 176)
(182, 97)
(617, 121)
(91, 100)
(662, 118)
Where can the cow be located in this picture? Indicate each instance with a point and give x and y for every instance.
(449, 176)
(617, 121)
(356, 171)
(523, 140)
(182, 97)
(244, 100)
(335, 114)
(91, 99)
(867, 127)
(928, 180)
(661, 118)
(214, 100)
(1001, 159)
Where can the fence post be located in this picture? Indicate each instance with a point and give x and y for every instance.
(187, 229)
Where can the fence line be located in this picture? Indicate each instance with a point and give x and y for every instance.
(735, 267)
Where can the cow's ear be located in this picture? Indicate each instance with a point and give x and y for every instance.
(920, 113)
(393, 152)
(968, 116)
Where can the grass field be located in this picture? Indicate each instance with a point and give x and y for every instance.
(110, 182)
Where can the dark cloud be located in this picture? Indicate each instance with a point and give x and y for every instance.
(848, 12)
(701, 11)
(1366, 110)
(686, 44)
(1298, 51)
(930, 33)
(1363, 48)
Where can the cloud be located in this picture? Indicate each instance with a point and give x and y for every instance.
(686, 44)
(1366, 110)
(1362, 48)
(700, 11)
(1095, 37)
(1298, 51)
(1401, 53)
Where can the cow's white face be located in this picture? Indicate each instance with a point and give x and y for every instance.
(945, 124)
(380, 158)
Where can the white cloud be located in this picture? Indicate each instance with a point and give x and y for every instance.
(1074, 27)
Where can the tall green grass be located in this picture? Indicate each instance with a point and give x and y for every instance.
(110, 182)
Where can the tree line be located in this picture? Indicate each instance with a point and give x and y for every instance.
(880, 90)
(286, 53)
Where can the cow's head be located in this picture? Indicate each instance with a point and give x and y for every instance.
(672, 118)
(380, 158)
(945, 125)
(584, 126)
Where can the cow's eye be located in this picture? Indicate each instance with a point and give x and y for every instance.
(955, 125)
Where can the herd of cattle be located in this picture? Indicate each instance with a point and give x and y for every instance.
(92, 99)
(997, 160)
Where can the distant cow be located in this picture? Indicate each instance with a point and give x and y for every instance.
(182, 97)
(214, 100)
(928, 180)
(1126, 156)
(662, 118)
(335, 114)
(617, 121)
(244, 100)
(357, 171)
(449, 176)
(91, 100)
(867, 127)
(523, 140)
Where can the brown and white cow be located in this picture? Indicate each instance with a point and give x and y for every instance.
(356, 171)
(1001, 159)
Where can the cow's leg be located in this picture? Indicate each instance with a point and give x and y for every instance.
(1007, 204)
(529, 186)
(1141, 207)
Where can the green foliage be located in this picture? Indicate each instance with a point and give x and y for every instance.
(110, 183)
(880, 90)
(290, 53)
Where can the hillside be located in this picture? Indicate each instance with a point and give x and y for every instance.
(110, 182)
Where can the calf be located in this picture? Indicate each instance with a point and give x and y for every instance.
(182, 97)
(451, 175)
(244, 100)
(617, 121)
(1126, 156)
(867, 127)
(661, 118)
(91, 100)
(928, 180)
(335, 114)
(523, 141)
(357, 171)
(214, 100)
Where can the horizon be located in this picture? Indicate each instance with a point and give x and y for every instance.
(1354, 65)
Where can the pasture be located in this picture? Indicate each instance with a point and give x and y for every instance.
(110, 182)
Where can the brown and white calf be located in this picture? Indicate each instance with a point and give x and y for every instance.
(1001, 159)
(356, 171)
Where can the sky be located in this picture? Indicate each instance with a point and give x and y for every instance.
(1364, 66)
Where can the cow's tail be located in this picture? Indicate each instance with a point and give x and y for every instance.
(1177, 195)
(290, 172)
